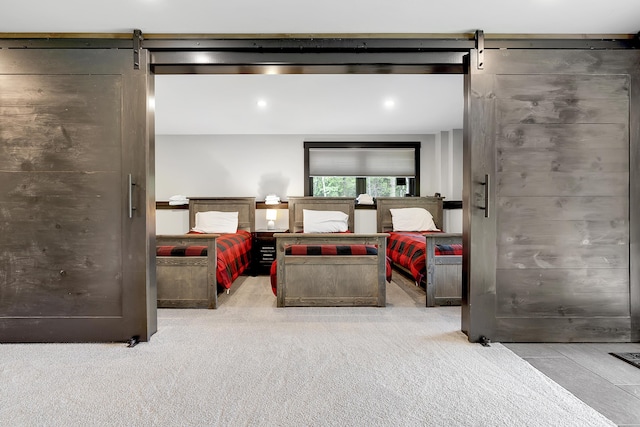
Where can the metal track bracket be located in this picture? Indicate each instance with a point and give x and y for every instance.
(137, 41)
(480, 48)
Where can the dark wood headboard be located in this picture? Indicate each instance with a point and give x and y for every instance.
(298, 204)
(432, 204)
(245, 206)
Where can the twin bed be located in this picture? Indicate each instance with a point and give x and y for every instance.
(328, 268)
(311, 269)
(433, 259)
(192, 268)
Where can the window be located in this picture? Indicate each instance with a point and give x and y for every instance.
(347, 169)
(334, 186)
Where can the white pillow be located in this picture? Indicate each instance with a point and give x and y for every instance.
(324, 221)
(216, 222)
(412, 219)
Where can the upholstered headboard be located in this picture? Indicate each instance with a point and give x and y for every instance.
(432, 204)
(245, 206)
(298, 204)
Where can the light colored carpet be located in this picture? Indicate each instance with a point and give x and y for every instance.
(251, 364)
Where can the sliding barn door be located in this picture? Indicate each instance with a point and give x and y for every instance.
(551, 159)
(74, 197)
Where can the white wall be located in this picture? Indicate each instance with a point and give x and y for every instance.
(257, 165)
(449, 177)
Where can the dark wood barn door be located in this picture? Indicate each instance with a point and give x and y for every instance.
(73, 256)
(555, 134)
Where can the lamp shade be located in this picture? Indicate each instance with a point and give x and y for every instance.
(272, 214)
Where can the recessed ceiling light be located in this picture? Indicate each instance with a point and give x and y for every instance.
(262, 103)
(389, 103)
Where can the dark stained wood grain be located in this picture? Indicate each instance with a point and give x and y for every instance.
(533, 62)
(552, 87)
(479, 231)
(563, 111)
(563, 136)
(74, 265)
(565, 208)
(562, 174)
(564, 329)
(577, 292)
(634, 201)
(60, 217)
(535, 183)
(564, 234)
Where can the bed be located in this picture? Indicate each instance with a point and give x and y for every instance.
(192, 268)
(441, 270)
(328, 269)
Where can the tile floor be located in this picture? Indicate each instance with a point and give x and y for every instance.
(609, 385)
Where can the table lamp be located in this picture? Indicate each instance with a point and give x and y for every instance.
(272, 215)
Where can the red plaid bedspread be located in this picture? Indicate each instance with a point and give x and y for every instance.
(325, 250)
(193, 250)
(233, 255)
(408, 249)
(331, 250)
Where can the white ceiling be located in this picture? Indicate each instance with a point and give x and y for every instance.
(326, 16)
(308, 104)
(315, 104)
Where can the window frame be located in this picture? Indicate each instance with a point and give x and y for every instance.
(361, 181)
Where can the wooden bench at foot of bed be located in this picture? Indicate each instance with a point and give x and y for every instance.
(444, 272)
(331, 280)
(187, 281)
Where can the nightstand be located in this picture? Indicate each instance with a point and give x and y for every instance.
(264, 250)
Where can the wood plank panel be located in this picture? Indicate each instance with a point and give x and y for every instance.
(586, 184)
(181, 278)
(56, 246)
(75, 263)
(562, 181)
(549, 256)
(50, 126)
(563, 329)
(634, 200)
(562, 111)
(60, 240)
(563, 86)
(569, 292)
(567, 208)
(553, 155)
(603, 159)
(334, 283)
(533, 62)
(448, 279)
(479, 230)
(564, 234)
(563, 136)
(40, 147)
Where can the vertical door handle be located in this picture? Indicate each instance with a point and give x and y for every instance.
(131, 207)
(487, 191)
